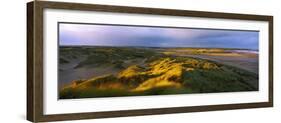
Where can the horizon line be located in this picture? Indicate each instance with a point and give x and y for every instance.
(156, 47)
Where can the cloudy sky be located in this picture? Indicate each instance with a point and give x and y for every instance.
(108, 35)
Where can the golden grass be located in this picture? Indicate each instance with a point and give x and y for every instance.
(170, 73)
(164, 72)
(113, 85)
(155, 83)
(170, 76)
(130, 71)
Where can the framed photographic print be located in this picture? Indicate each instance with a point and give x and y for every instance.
(96, 61)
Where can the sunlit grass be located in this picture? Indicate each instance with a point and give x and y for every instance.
(159, 74)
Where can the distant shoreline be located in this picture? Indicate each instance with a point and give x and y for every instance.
(89, 46)
(246, 51)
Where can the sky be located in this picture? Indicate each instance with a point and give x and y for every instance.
(116, 35)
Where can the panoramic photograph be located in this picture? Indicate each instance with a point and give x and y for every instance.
(102, 60)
